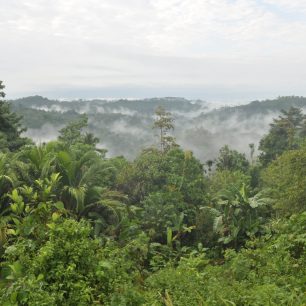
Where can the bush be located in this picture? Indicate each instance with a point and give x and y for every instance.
(286, 177)
(269, 271)
(65, 267)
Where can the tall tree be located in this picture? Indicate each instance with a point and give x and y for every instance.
(10, 126)
(164, 123)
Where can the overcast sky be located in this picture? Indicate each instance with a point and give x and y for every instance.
(218, 50)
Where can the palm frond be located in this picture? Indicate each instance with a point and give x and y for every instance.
(78, 195)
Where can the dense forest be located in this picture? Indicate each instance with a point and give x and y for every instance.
(78, 227)
(125, 126)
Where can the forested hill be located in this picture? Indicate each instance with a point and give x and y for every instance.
(149, 105)
(124, 127)
(257, 108)
(145, 106)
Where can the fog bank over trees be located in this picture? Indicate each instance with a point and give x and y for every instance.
(124, 127)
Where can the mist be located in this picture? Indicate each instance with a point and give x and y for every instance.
(125, 126)
(46, 133)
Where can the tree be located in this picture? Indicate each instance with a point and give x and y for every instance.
(83, 189)
(286, 179)
(154, 172)
(209, 163)
(10, 126)
(164, 123)
(252, 151)
(39, 161)
(85, 179)
(90, 139)
(285, 134)
(231, 160)
(73, 133)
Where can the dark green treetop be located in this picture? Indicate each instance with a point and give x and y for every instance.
(285, 133)
(231, 160)
(73, 133)
(10, 126)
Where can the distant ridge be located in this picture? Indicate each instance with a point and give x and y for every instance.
(124, 127)
(258, 107)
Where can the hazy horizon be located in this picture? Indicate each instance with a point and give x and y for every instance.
(227, 100)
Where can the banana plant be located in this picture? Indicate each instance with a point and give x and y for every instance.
(241, 216)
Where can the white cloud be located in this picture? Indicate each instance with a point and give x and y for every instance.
(158, 43)
(292, 5)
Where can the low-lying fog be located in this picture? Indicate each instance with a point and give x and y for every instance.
(124, 127)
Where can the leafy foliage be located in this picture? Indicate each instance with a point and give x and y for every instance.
(78, 228)
(269, 271)
(10, 126)
(285, 133)
(286, 179)
(231, 160)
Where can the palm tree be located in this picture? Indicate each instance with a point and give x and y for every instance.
(82, 188)
(6, 175)
(40, 161)
(8, 178)
(80, 174)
